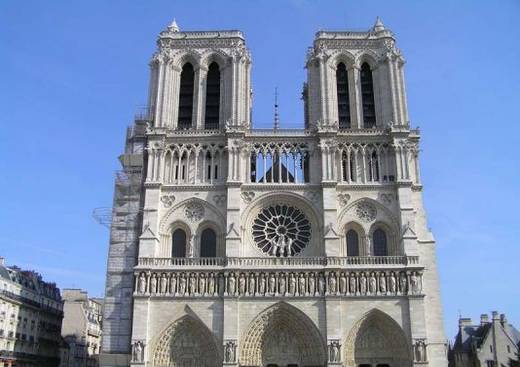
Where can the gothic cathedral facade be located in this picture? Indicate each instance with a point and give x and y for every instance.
(236, 246)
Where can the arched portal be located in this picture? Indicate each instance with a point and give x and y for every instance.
(377, 340)
(282, 335)
(186, 343)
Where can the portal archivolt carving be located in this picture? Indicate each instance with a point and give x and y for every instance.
(187, 343)
(282, 335)
(377, 339)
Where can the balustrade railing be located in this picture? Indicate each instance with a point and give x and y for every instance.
(232, 262)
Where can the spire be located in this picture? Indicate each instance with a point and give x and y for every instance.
(276, 115)
(173, 27)
(379, 26)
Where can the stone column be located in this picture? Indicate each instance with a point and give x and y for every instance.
(356, 109)
(199, 108)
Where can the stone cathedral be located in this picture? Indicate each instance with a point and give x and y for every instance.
(236, 246)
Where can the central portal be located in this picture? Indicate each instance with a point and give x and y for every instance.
(282, 336)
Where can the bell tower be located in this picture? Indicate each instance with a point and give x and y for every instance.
(200, 80)
(356, 79)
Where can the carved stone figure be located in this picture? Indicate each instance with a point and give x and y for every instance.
(142, 283)
(342, 283)
(252, 284)
(242, 284)
(312, 284)
(202, 284)
(281, 284)
(382, 283)
(231, 284)
(334, 352)
(182, 285)
(211, 284)
(261, 284)
(420, 351)
(173, 284)
(353, 284)
(415, 284)
(393, 283)
(372, 284)
(301, 285)
(321, 284)
(230, 352)
(153, 284)
(363, 284)
(292, 284)
(163, 283)
(192, 284)
(403, 283)
(332, 283)
(138, 352)
(272, 284)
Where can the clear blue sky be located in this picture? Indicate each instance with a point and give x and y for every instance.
(74, 72)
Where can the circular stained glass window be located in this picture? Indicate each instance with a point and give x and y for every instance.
(281, 230)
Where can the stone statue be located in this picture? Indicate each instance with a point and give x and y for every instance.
(343, 283)
(272, 284)
(403, 283)
(242, 284)
(192, 284)
(334, 352)
(281, 246)
(363, 284)
(261, 284)
(301, 285)
(281, 284)
(173, 284)
(163, 283)
(382, 283)
(229, 352)
(353, 284)
(202, 284)
(420, 351)
(292, 284)
(414, 283)
(153, 284)
(252, 284)
(393, 283)
(321, 284)
(142, 283)
(182, 285)
(231, 284)
(312, 284)
(332, 283)
(211, 284)
(372, 284)
(138, 351)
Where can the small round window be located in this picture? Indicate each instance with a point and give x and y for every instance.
(281, 230)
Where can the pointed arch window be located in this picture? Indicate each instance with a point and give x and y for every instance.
(367, 97)
(343, 96)
(380, 242)
(208, 243)
(352, 243)
(179, 243)
(186, 97)
(212, 97)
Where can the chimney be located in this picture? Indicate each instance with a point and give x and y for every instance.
(484, 319)
(463, 322)
(495, 316)
(505, 324)
(2, 261)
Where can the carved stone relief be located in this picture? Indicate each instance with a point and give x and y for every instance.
(248, 196)
(194, 211)
(366, 211)
(168, 200)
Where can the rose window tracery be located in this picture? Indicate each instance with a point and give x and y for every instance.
(366, 211)
(281, 230)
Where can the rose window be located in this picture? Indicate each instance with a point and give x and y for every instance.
(281, 230)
